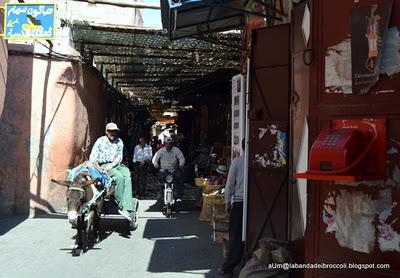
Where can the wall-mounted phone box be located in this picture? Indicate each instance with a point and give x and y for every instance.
(350, 150)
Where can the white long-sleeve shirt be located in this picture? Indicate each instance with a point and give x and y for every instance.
(142, 154)
(105, 151)
(169, 159)
(234, 188)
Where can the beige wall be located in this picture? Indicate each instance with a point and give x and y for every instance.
(53, 112)
(104, 14)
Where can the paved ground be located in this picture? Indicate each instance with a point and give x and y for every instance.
(160, 247)
(191, 192)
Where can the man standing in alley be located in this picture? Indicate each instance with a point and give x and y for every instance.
(234, 206)
(107, 152)
(141, 158)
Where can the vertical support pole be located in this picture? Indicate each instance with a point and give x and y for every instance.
(246, 155)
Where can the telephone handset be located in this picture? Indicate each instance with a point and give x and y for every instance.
(340, 151)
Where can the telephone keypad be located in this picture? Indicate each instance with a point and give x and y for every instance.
(331, 140)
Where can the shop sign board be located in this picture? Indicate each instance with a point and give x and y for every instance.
(33, 21)
(238, 114)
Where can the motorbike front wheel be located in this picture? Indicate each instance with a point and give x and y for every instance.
(168, 211)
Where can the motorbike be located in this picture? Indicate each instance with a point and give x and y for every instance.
(169, 201)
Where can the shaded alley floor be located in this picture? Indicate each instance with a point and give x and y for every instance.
(177, 247)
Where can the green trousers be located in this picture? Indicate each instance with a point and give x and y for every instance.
(123, 188)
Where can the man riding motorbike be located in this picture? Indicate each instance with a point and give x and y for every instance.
(172, 160)
(107, 152)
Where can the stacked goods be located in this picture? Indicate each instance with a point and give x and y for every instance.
(207, 185)
(209, 199)
(213, 210)
(219, 210)
(272, 251)
(209, 190)
(269, 251)
(200, 181)
(206, 211)
(220, 230)
(220, 222)
(225, 245)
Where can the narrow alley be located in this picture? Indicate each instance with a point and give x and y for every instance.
(200, 138)
(177, 247)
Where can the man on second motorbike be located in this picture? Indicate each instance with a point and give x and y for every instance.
(171, 158)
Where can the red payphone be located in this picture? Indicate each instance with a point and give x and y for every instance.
(350, 150)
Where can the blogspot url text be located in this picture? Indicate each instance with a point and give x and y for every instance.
(287, 266)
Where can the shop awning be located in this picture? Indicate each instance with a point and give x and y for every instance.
(193, 18)
(196, 17)
(144, 64)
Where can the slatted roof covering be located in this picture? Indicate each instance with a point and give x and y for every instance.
(144, 63)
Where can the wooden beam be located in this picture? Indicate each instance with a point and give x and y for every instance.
(150, 76)
(112, 28)
(150, 84)
(156, 80)
(137, 56)
(132, 46)
(205, 65)
(127, 66)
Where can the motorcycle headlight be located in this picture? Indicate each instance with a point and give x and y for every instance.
(168, 178)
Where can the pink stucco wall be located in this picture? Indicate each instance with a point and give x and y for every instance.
(3, 66)
(15, 137)
(53, 112)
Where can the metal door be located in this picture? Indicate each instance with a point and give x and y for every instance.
(268, 142)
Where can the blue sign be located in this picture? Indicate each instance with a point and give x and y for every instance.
(178, 3)
(29, 21)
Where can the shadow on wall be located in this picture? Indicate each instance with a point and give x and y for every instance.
(71, 77)
(82, 101)
(94, 98)
(45, 166)
(22, 160)
(27, 123)
(42, 135)
(15, 128)
(83, 110)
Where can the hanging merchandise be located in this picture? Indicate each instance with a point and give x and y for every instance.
(238, 114)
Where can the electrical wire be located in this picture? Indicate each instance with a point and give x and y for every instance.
(40, 55)
(68, 57)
